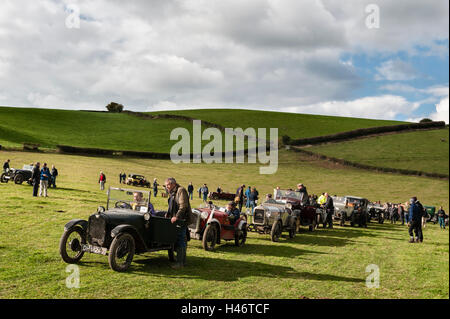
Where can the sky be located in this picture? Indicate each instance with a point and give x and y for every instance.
(375, 59)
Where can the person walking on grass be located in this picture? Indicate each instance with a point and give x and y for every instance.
(54, 173)
(102, 180)
(441, 217)
(155, 187)
(36, 178)
(415, 221)
(44, 177)
(205, 192)
(190, 190)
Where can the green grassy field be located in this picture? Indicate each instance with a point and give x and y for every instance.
(426, 151)
(321, 264)
(291, 124)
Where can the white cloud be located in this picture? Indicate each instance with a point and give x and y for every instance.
(441, 113)
(395, 70)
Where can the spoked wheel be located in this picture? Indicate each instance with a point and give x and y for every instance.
(121, 252)
(3, 178)
(70, 245)
(18, 179)
(275, 234)
(240, 238)
(209, 238)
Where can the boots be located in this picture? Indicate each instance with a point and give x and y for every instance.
(181, 258)
(411, 240)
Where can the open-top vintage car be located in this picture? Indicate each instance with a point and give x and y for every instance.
(211, 224)
(126, 227)
(273, 217)
(18, 175)
(306, 214)
(376, 212)
(137, 180)
(351, 208)
(221, 196)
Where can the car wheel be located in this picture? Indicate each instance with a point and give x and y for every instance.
(70, 245)
(239, 240)
(209, 238)
(276, 231)
(18, 179)
(3, 179)
(171, 255)
(121, 252)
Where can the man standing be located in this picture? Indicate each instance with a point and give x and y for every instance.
(6, 166)
(179, 211)
(54, 173)
(441, 217)
(240, 196)
(190, 190)
(45, 175)
(415, 220)
(302, 189)
(102, 180)
(329, 208)
(423, 213)
(247, 194)
(35, 178)
(155, 187)
(205, 192)
(401, 213)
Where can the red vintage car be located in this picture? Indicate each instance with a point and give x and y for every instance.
(307, 215)
(221, 196)
(211, 225)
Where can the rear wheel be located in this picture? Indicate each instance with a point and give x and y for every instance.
(121, 252)
(18, 179)
(209, 238)
(70, 245)
(275, 233)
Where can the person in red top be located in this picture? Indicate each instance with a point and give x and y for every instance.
(102, 180)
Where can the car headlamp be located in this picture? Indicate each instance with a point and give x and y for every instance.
(204, 215)
(146, 216)
(268, 214)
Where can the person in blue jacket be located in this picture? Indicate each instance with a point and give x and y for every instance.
(45, 176)
(415, 221)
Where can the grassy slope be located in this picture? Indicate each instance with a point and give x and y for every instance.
(294, 125)
(323, 264)
(86, 129)
(423, 150)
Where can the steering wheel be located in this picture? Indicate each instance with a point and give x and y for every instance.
(122, 204)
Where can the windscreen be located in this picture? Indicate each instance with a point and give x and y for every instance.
(128, 198)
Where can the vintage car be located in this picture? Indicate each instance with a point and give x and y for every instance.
(137, 180)
(18, 175)
(211, 224)
(346, 209)
(306, 214)
(430, 212)
(376, 212)
(124, 228)
(273, 217)
(221, 196)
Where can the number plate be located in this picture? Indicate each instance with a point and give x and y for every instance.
(94, 249)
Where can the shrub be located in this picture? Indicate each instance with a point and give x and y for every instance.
(114, 107)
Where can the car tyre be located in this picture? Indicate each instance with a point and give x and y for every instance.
(3, 179)
(74, 245)
(209, 237)
(18, 179)
(122, 245)
(276, 231)
(241, 237)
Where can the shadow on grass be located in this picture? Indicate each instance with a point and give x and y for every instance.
(215, 269)
(69, 189)
(275, 250)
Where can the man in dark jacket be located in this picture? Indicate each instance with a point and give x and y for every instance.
(302, 190)
(441, 217)
(240, 193)
(36, 178)
(190, 190)
(179, 212)
(415, 221)
(54, 173)
(329, 207)
(6, 166)
(423, 213)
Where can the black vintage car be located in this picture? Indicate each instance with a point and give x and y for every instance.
(18, 175)
(120, 231)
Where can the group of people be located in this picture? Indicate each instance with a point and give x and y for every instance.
(43, 178)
